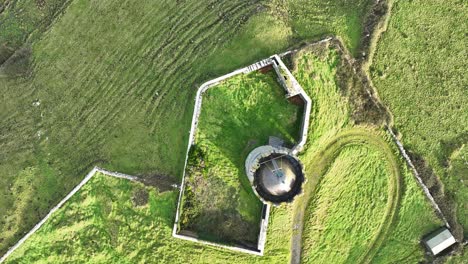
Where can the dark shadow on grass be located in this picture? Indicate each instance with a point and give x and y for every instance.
(162, 182)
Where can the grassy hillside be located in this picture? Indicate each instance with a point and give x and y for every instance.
(332, 131)
(237, 116)
(419, 70)
(354, 190)
(91, 227)
(111, 83)
(114, 220)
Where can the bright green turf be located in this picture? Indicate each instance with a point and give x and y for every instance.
(330, 109)
(419, 70)
(237, 116)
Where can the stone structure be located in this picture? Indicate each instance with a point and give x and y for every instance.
(276, 176)
(439, 240)
(293, 90)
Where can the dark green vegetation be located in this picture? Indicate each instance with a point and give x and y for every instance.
(108, 221)
(111, 83)
(23, 19)
(237, 116)
(419, 70)
(388, 199)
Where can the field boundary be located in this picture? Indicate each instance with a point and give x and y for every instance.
(379, 28)
(294, 90)
(90, 174)
(418, 178)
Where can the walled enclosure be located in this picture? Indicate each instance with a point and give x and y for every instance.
(293, 92)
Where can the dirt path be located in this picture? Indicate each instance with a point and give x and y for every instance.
(321, 161)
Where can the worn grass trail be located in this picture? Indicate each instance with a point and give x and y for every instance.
(317, 165)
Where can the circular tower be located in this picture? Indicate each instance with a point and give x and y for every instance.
(276, 175)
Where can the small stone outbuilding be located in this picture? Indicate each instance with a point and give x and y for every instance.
(439, 240)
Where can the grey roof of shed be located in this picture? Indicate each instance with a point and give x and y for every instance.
(439, 240)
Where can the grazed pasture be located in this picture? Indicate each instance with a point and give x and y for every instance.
(111, 83)
(419, 71)
(316, 69)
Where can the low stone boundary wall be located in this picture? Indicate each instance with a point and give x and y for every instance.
(261, 238)
(277, 63)
(418, 178)
(196, 114)
(296, 89)
(62, 202)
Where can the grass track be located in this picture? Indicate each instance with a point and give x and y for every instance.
(320, 163)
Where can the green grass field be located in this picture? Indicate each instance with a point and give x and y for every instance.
(237, 116)
(90, 222)
(334, 144)
(419, 70)
(354, 190)
(106, 222)
(111, 83)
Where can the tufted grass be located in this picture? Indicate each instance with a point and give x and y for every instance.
(419, 71)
